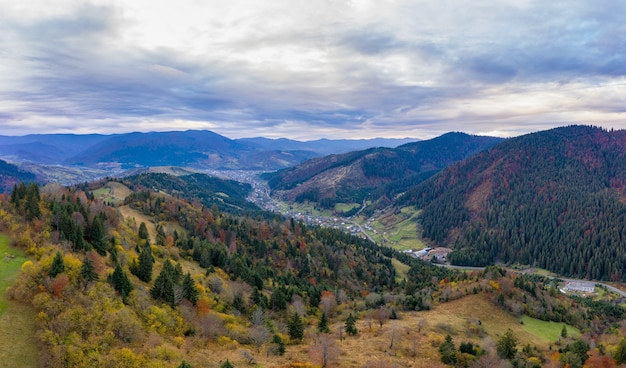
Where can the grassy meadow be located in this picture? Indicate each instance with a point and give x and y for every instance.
(17, 321)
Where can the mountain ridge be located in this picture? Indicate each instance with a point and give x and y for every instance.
(554, 199)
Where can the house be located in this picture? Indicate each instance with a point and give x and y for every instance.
(579, 286)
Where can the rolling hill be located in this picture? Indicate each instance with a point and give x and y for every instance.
(553, 199)
(375, 172)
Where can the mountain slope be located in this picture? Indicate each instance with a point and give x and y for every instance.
(46, 148)
(11, 175)
(350, 177)
(554, 199)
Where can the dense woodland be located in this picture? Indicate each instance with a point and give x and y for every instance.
(552, 199)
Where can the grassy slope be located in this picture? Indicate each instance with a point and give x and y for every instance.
(398, 230)
(17, 321)
(550, 331)
(372, 344)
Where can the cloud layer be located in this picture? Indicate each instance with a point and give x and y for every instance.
(311, 69)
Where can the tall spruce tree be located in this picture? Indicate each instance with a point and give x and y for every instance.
(295, 327)
(58, 266)
(120, 282)
(143, 231)
(350, 325)
(144, 271)
(163, 288)
(322, 325)
(97, 234)
(32, 202)
(190, 292)
(88, 272)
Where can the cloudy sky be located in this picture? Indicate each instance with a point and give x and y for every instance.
(312, 68)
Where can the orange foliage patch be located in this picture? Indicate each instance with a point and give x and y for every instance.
(59, 284)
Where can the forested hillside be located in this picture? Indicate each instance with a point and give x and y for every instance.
(10, 175)
(229, 195)
(553, 199)
(199, 287)
(373, 173)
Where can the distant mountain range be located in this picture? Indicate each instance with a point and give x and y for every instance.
(69, 158)
(202, 149)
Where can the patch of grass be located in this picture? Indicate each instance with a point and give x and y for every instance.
(550, 331)
(401, 269)
(17, 321)
(112, 192)
(18, 347)
(345, 207)
(398, 230)
(12, 260)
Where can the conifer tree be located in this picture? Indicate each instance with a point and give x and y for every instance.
(144, 271)
(350, 325)
(507, 345)
(58, 266)
(120, 282)
(163, 288)
(322, 325)
(295, 327)
(190, 292)
(184, 364)
(97, 234)
(143, 231)
(88, 271)
(32, 202)
(280, 345)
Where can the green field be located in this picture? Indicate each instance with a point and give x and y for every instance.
(17, 321)
(550, 331)
(12, 260)
(398, 230)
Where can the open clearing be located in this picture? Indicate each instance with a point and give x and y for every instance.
(129, 213)
(398, 230)
(12, 260)
(17, 321)
(113, 192)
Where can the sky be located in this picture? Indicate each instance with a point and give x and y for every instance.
(304, 69)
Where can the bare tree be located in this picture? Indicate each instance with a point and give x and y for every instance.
(422, 324)
(325, 351)
(298, 305)
(341, 296)
(328, 304)
(381, 315)
(394, 334)
(259, 333)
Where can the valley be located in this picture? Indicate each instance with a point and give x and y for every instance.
(169, 266)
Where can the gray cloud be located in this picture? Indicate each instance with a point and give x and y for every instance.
(410, 68)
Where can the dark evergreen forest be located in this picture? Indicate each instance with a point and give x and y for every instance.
(554, 199)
